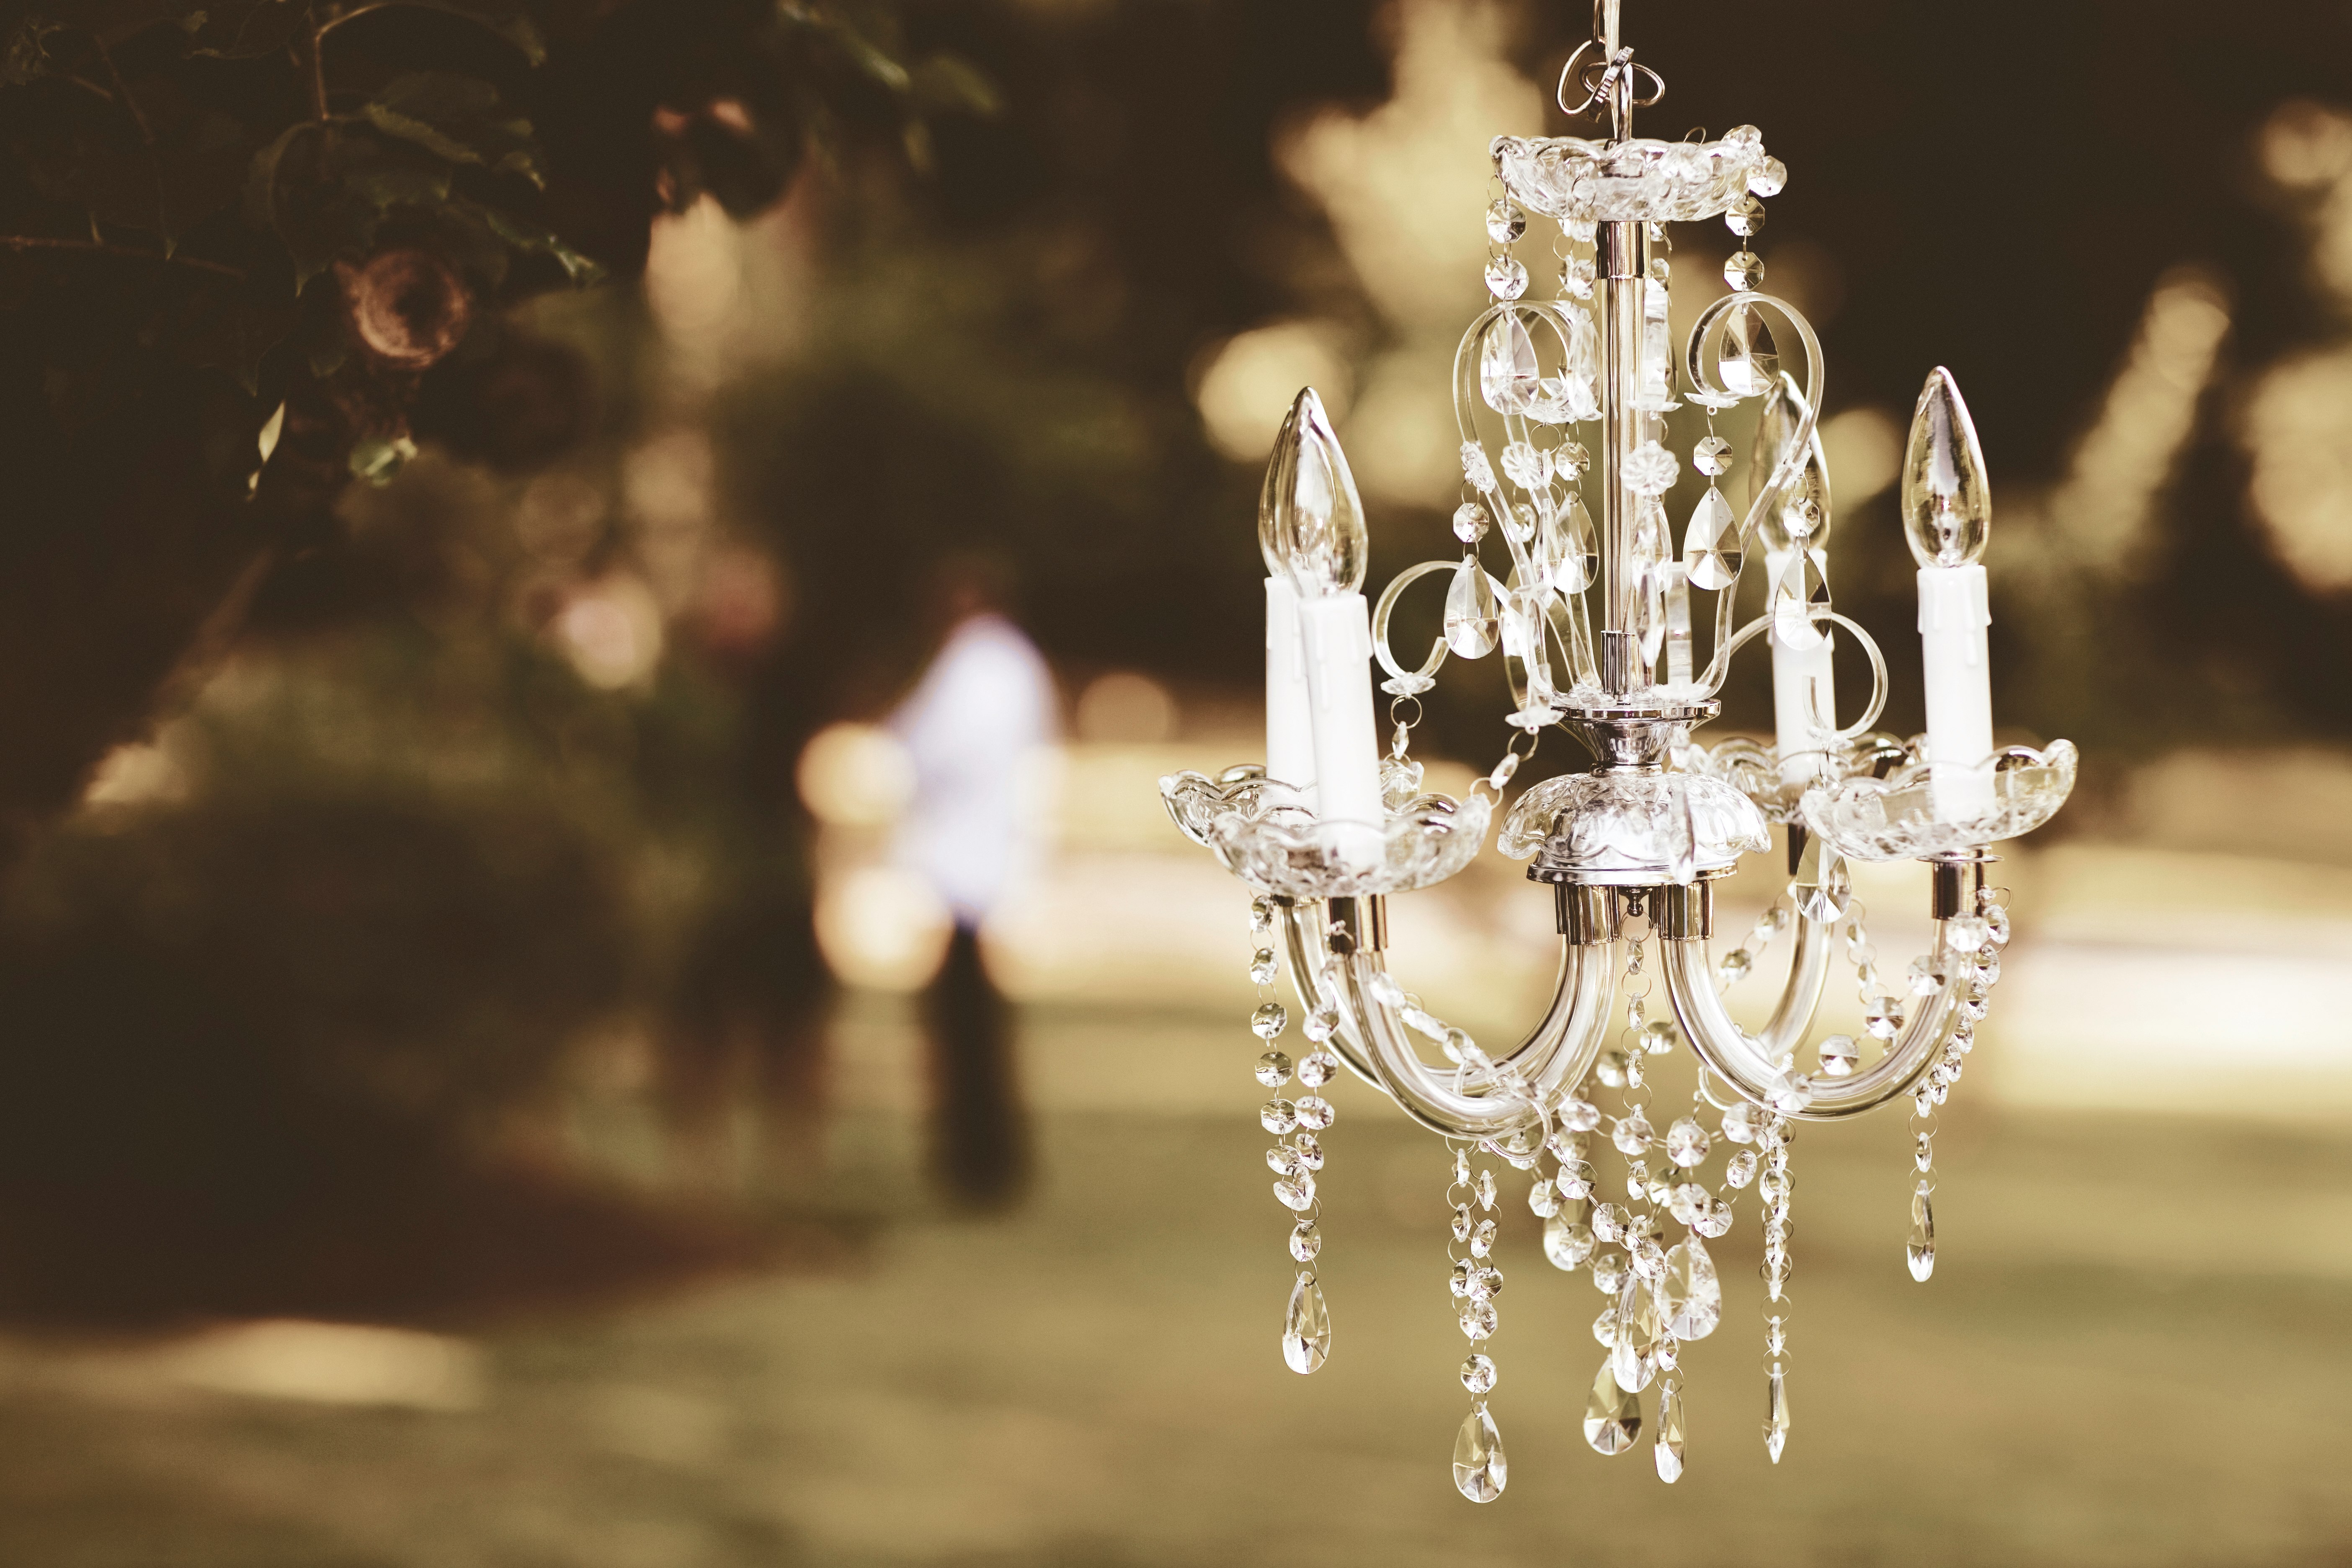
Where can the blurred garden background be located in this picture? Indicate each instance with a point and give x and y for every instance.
(482, 479)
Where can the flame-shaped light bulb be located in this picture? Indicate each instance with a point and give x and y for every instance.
(1947, 504)
(1310, 520)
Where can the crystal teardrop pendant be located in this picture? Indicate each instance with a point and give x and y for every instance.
(1799, 588)
(1711, 543)
(1479, 1471)
(1920, 1249)
(1613, 1417)
(1508, 372)
(1669, 1449)
(1751, 364)
(1690, 1297)
(1472, 616)
(1576, 557)
(1776, 1417)
(1307, 1326)
(1633, 1358)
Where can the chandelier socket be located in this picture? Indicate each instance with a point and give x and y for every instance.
(1360, 924)
(1588, 916)
(1683, 912)
(1957, 878)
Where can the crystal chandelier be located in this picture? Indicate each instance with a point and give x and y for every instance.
(1594, 625)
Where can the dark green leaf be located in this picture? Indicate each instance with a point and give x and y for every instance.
(458, 118)
(524, 237)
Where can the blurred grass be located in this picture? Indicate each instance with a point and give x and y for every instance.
(2136, 1350)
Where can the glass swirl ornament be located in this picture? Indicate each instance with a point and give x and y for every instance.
(1572, 574)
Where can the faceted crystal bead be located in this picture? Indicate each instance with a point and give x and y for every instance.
(1650, 470)
(1307, 1326)
(1570, 460)
(1776, 1335)
(1923, 1152)
(1567, 1242)
(1687, 1201)
(1647, 1259)
(1295, 1191)
(1274, 1070)
(1484, 1188)
(1278, 1116)
(1733, 967)
(1483, 1284)
(1310, 1152)
(1261, 915)
(1670, 1353)
(1658, 1037)
(1744, 271)
(1609, 1223)
(1741, 1169)
(1575, 277)
(1506, 279)
(1473, 618)
(1926, 976)
(1306, 1241)
(1270, 1019)
(1463, 1221)
(1715, 1221)
(1525, 465)
(1321, 1024)
(1611, 1067)
(1686, 1142)
(1996, 921)
(1479, 1319)
(1741, 1121)
(1315, 1112)
(1604, 1326)
(1920, 1247)
(1458, 1280)
(1883, 1016)
(1712, 456)
(1575, 1179)
(1613, 1417)
(1609, 1272)
(1632, 1357)
(1504, 221)
(1839, 1055)
(1478, 1374)
(1668, 1450)
(1744, 216)
(1476, 472)
(1776, 1417)
(1478, 1468)
(1711, 543)
(1469, 522)
(1968, 932)
(1580, 1115)
(1315, 1069)
(1632, 1134)
(1543, 1198)
(1262, 967)
(1284, 1160)
(1769, 178)
(1481, 1239)
(1690, 1296)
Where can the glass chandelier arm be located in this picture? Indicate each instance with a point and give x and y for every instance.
(1801, 997)
(1879, 683)
(1553, 1058)
(1752, 1068)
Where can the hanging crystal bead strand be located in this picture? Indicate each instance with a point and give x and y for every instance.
(1736, 965)
(1775, 1187)
(1628, 1328)
(1296, 1156)
(1974, 945)
(1479, 1469)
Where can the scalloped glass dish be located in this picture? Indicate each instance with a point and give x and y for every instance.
(1283, 849)
(1633, 827)
(1754, 769)
(1640, 179)
(1894, 818)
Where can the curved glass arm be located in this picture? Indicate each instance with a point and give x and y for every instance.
(1801, 997)
(1553, 1058)
(1751, 1066)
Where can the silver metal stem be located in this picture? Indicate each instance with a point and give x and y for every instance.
(1624, 255)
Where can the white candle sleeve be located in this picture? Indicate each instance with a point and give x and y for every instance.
(1339, 642)
(1804, 698)
(1954, 611)
(1289, 726)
